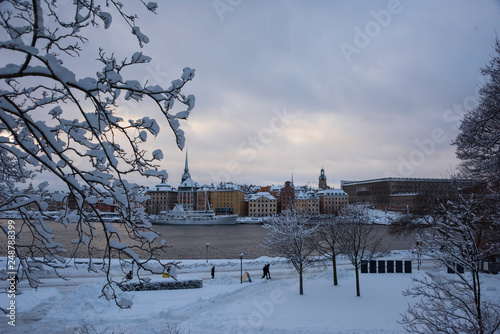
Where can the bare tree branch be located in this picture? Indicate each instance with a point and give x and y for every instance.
(53, 122)
(290, 235)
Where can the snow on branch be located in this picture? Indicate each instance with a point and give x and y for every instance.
(54, 122)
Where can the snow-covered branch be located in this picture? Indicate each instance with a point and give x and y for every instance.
(52, 121)
(466, 236)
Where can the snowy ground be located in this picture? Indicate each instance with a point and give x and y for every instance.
(382, 217)
(223, 305)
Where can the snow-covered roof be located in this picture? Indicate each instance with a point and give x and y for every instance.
(189, 183)
(253, 197)
(163, 186)
(206, 187)
(275, 188)
(332, 192)
(228, 186)
(306, 195)
(393, 179)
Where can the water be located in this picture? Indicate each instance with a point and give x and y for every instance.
(225, 241)
(189, 242)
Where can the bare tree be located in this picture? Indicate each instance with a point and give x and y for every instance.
(464, 237)
(467, 232)
(478, 142)
(289, 234)
(327, 240)
(359, 240)
(52, 122)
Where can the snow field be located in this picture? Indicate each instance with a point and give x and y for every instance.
(224, 305)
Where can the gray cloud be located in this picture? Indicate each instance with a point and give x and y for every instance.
(357, 118)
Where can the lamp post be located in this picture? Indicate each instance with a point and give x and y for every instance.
(208, 244)
(241, 268)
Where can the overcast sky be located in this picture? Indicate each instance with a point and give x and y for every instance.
(365, 89)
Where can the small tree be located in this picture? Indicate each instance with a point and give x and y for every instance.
(358, 238)
(464, 237)
(327, 241)
(290, 235)
(53, 122)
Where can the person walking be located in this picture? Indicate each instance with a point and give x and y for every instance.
(213, 272)
(264, 271)
(268, 272)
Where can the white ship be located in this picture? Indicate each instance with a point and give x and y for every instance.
(179, 216)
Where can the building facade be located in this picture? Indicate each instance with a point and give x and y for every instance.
(162, 197)
(228, 198)
(287, 197)
(397, 194)
(331, 201)
(307, 203)
(262, 204)
(204, 198)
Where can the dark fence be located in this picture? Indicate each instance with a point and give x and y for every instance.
(386, 266)
(487, 268)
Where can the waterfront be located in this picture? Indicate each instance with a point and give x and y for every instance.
(189, 242)
(226, 242)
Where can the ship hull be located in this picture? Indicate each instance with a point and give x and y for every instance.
(209, 220)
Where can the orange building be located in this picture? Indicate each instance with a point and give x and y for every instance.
(228, 198)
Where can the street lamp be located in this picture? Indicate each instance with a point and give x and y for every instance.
(241, 268)
(208, 244)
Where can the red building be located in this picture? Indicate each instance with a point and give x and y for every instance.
(287, 196)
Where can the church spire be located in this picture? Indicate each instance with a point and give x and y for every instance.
(186, 175)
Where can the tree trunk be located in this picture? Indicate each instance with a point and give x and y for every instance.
(334, 262)
(477, 299)
(301, 283)
(357, 281)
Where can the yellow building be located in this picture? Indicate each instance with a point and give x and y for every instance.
(307, 203)
(262, 204)
(332, 200)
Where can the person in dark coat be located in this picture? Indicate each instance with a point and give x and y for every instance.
(213, 272)
(268, 272)
(264, 271)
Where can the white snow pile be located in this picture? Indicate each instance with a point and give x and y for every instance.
(381, 217)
